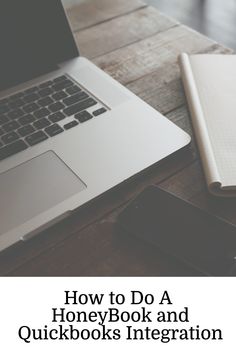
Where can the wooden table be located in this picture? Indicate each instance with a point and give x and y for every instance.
(138, 46)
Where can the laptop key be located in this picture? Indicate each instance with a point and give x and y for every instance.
(4, 109)
(41, 113)
(17, 113)
(12, 149)
(45, 92)
(70, 125)
(16, 96)
(16, 103)
(53, 130)
(36, 138)
(55, 107)
(75, 98)
(80, 106)
(31, 98)
(29, 108)
(60, 78)
(59, 95)
(83, 116)
(45, 84)
(56, 117)
(29, 118)
(13, 125)
(46, 101)
(41, 123)
(10, 137)
(99, 111)
(3, 119)
(26, 130)
(73, 89)
(62, 85)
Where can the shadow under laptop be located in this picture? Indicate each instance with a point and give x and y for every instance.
(173, 242)
(150, 259)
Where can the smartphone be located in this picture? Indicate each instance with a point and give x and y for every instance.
(183, 230)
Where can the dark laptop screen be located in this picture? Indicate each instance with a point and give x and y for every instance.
(34, 37)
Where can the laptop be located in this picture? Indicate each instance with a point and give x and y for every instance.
(68, 131)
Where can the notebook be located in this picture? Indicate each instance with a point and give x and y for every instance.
(210, 86)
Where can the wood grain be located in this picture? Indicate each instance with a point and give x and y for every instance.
(107, 36)
(92, 12)
(162, 88)
(139, 59)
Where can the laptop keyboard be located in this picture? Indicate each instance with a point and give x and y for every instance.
(42, 112)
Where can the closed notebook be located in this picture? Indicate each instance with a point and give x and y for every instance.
(210, 86)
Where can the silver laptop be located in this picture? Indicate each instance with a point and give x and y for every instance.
(68, 131)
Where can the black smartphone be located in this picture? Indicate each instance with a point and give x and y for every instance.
(183, 230)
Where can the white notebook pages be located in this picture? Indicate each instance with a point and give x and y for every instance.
(210, 87)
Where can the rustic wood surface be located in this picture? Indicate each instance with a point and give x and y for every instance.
(138, 46)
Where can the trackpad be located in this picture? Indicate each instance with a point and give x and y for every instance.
(34, 187)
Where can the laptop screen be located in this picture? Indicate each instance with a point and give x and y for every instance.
(34, 37)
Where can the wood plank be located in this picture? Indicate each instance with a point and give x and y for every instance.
(163, 88)
(181, 117)
(187, 182)
(224, 208)
(92, 12)
(144, 57)
(190, 185)
(213, 18)
(108, 36)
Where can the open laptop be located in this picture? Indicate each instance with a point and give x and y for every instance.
(68, 131)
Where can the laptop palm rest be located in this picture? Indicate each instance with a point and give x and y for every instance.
(34, 187)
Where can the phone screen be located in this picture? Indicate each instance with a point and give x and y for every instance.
(183, 230)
